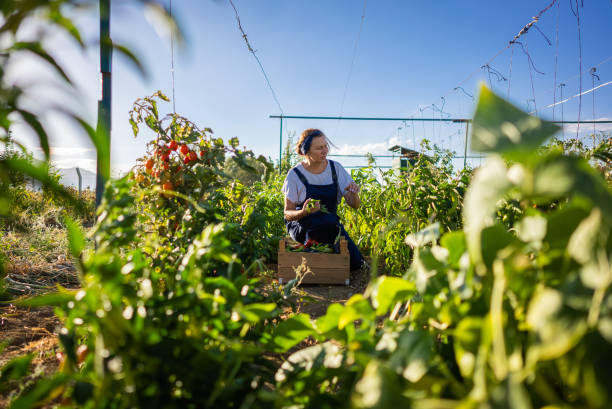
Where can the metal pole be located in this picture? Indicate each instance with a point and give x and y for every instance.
(467, 129)
(456, 120)
(104, 104)
(280, 145)
(370, 118)
(78, 171)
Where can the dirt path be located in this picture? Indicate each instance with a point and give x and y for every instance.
(316, 298)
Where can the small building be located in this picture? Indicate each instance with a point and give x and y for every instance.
(406, 159)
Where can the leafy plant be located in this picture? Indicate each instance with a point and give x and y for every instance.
(487, 317)
(393, 203)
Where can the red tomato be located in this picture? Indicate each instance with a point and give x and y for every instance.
(149, 164)
(82, 352)
(202, 153)
(186, 160)
(173, 145)
(184, 149)
(193, 156)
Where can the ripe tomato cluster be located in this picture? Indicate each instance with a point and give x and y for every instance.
(165, 167)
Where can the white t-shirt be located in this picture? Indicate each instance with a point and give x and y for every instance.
(295, 190)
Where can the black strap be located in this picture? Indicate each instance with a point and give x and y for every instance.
(301, 176)
(333, 172)
(333, 169)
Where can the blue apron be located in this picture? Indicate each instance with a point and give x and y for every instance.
(319, 226)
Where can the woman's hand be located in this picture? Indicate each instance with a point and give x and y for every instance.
(351, 195)
(352, 188)
(313, 208)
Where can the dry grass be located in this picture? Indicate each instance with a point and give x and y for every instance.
(36, 260)
(28, 331)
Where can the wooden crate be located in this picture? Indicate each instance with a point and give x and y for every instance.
(327, 268)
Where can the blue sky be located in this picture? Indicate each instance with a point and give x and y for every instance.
(409, 55)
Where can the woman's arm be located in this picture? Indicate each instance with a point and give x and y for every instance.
(292, 214)
(351, 195)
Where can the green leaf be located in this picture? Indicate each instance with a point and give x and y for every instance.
(561, 225)
(412, 356)
(142, 70)
(556, 333)
(426, 236)
(425, 267)
(531, 229)
(390, 290)
(583, 242)
(466, 344)
(378, 388)
(152, 123)
(494, 239)
(456, 245)
(292, 331)
(499, 126)
(38, 128)
(159, 16)
(57, 17)
(511, 394)
(605, 328)
(36, 48)
(15, 369)
(56, 299)
(101, 140)
(76, 238)
(256, 312)
(41, 390)
(154, 108)
(326, 355)
(559, 176)
(356, 308)
(488, 186)
(134, 127)
(329, 321)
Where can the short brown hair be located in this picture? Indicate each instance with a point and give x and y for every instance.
(308, 132)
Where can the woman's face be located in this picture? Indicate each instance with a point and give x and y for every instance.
(318, 149)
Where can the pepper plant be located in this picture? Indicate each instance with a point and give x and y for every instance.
(484, 317)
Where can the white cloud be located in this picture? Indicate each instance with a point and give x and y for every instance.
(373, 148)
(63, 157)
(71, 151)
(588, 128)
(83, 163)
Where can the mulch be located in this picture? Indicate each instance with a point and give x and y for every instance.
(26, 279)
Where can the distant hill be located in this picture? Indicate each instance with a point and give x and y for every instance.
(69, 177)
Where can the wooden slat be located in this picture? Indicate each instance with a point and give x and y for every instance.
(328, 276)
(326, 268)
(314, 260)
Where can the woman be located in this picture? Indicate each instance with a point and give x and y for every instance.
(322, 182)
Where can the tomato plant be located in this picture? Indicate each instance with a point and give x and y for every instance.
(428, 191)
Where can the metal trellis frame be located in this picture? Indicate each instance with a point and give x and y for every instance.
(453, 120)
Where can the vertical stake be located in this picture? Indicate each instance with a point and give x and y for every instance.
(78, 171)
(467, 129)
(280, 146)
(104, 104)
